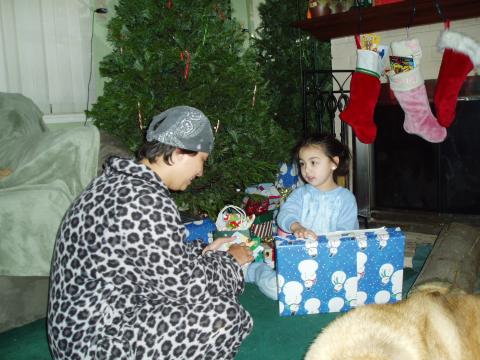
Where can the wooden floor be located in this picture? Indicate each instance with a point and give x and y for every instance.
(420, 228)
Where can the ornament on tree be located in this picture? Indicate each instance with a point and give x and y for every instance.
(364, 92)
(140, 117)
(169, 4)
(219, 12)
(409, 88)
(461, 54)
(185, 58)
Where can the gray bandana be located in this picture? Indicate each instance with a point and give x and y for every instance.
(184, 127)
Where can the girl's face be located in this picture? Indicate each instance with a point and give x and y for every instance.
(317, 168)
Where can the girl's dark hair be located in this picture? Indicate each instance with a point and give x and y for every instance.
(153, 149)
(332, 147)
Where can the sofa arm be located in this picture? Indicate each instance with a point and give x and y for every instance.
(30, 216)
(69, 155)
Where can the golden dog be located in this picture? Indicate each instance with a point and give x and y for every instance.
(434, 323)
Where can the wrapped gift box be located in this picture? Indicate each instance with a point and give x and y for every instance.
(262, 225)
(288, 177)
(201, 229)
(255, 204)
(267, 190)
(339, 270)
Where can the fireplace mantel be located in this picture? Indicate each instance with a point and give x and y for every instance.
(388, 17)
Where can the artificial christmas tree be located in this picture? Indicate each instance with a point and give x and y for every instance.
(283, 52)
(168, 53)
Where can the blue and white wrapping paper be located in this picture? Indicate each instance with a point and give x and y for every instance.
(288, 176)
(201, 229)
(339, 270)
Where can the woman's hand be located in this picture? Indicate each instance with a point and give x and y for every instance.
(216, 244)
(241, 253)
(302, 232)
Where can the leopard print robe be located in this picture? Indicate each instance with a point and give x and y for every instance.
(125, 285)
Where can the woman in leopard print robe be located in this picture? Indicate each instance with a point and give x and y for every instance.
(125, 285)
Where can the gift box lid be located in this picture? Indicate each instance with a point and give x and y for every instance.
(382, 233)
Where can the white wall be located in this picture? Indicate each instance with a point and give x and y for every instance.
(344, 49)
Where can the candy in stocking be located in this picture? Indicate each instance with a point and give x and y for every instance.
(409, 89)
(364, 92)
(461, 54)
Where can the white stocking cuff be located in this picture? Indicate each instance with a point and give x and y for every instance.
(461, 43)
(369, 62)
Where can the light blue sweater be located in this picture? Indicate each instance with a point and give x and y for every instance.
(319, 211)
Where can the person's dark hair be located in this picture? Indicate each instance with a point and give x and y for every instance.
(151, 150)
(332, 147)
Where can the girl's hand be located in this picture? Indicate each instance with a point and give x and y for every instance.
(241, 253)
(216, 244)
(302, 232)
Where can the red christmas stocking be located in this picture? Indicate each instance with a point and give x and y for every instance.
(364, 92)
(460, 56)
(409, 89)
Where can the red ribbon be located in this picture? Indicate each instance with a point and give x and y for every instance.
(185, 57)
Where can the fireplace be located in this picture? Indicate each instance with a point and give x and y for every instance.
(403, 171)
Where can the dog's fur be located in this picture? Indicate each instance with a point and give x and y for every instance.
(435, 322)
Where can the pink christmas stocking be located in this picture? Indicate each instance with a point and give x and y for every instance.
(364, 92)
(409, 89)
(460, 56)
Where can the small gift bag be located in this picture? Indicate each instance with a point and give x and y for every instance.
(232, 219)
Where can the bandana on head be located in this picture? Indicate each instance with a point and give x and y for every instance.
(184, 127)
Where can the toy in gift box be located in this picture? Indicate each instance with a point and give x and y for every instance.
(200, 230)
(267, 190)
(339, 270)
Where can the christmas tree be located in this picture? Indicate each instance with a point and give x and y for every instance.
(283, 52)
(168, 53)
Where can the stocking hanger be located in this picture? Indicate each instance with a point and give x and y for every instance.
(446, 21)
(359, 26)
(412, 18)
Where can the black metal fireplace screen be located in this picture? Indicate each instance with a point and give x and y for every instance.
(400, 170)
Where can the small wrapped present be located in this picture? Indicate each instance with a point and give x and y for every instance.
(339, 270)
(267, 190)
(200, 230)
(255, 204)
(262, 225)
(288, 177)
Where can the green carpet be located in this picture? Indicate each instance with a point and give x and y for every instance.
(273, 337)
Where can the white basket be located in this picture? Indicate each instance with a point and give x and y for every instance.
(245, 221)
